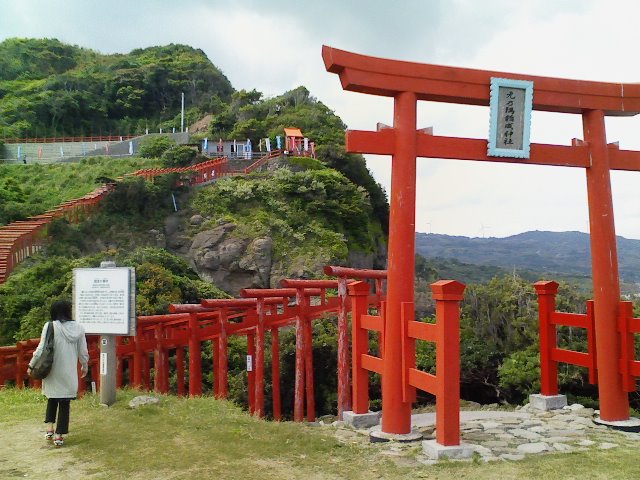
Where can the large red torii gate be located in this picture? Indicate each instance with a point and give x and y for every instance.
(409, 82)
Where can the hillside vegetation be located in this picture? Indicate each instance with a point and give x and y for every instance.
(48, 88)
(27, 190)
(549, 253)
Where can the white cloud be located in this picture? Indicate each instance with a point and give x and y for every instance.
(275, 45)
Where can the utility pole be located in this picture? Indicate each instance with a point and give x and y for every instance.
(182, 115)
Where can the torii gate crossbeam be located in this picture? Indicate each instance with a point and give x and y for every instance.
(409, 82)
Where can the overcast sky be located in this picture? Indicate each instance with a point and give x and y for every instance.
(275, 45)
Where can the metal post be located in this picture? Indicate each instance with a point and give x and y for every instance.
(107, 362)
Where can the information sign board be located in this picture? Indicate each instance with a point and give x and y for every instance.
(104, 300)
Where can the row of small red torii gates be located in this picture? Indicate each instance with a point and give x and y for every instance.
(23, 238)
(259, 311)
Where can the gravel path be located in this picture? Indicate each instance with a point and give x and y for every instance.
(24, 453)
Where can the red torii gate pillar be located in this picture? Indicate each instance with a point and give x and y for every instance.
(614, 400)
(396, 413)
(409, 82)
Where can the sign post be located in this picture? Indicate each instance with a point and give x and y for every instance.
(104, 303)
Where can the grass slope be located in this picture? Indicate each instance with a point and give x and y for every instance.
(208, 438)
(27, 190)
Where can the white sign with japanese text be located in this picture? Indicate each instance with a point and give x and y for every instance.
(103, 300)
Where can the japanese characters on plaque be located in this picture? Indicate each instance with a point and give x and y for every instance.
(104, 300)
(511, 104)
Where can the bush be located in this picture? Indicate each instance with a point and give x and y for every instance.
(179, 156)
(154, 147)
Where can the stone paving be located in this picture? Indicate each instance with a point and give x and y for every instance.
(504, 435)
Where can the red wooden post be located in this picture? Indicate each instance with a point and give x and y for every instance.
(180, 369)
(547, 292)
(614, 401)
(119, 371)
(215, 347)
(448, 294)
(259, 359)
(82, 383)
(137, 359)
(275, 374)
(298, 401)
(157, 361)
(251, 374)
(308, 357)
(591, 344)
(628, 353)
(21, 367)
(222, 371)
(344, 395)
(195, 357)
(359, 293)
(146, 371)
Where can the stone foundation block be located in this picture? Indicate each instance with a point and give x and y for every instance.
(361, 420)
(547, 402)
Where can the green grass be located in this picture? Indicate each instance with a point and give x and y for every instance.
(207, 438)
(43, 187)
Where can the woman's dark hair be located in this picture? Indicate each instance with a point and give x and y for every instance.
(61, 310)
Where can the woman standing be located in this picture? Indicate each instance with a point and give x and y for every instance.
(61, 385)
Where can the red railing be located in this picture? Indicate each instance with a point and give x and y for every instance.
(262, 160)
(445, 333)
(550, 354)
(21, 239)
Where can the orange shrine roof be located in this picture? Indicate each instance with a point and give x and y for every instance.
(293, 132)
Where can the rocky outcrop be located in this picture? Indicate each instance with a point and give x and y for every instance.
(230, 261)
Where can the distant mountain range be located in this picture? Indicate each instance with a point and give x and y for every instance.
(549, 253)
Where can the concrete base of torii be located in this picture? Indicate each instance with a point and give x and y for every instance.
(547, 402)
(361, 420)
(631, 425)
(436, 451)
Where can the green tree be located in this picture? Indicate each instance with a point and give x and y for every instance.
(155, 146)
(179, 156)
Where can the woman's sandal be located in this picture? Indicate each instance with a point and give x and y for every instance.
(48, 435)
(58, 441)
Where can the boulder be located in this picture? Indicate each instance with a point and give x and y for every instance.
(142, 400)
(231, 262)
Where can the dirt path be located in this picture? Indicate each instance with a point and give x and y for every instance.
(24, 453)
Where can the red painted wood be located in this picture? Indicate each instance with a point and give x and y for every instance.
(614, 401)
(548, 366)
(359, 292)
(195, 357)
(448, 294)
(275, 374)
(385, 77)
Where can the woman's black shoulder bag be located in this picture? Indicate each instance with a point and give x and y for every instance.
(42, 365)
